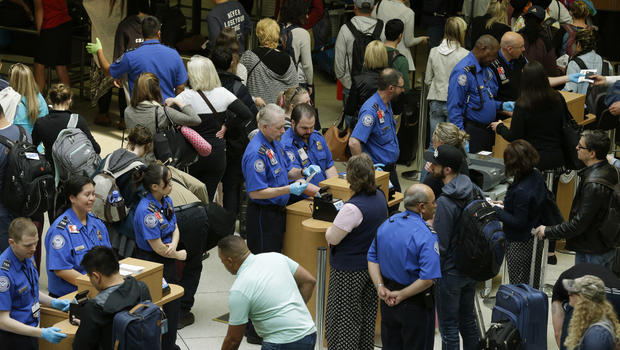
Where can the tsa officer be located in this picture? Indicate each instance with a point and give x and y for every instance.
(403, 262)
(72, 235)
(268, 173)
(20, 297)
(306, 148)
(375, 132)
(471, 95)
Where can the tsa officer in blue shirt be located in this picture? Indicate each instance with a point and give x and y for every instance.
(72, 235)
(403, 262)
(471, 95)
(151, 56)
(20, 297)
(375, 132)
(306, 147)
(268, 173)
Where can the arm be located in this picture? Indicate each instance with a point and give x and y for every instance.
(305, 283)
(442, 223)
(331, 172)
(570, 69)
(13, 326)
(374, 270)
(456, 99)
(88, 335)
(269, 192)
(557, 317)
(45, 299)
(340, 54)
(306, 56)
(408, 36)
(589, 208)
(348, 218)
(517, 126)
(160, 248)
(295, 174)
(38, 14)
(556, 81)
(195, 186)
(68, 275)
(103, 62)
(419, 285)
(401, 65)
(234, 336)
(355, 146)
(186, 116)
(430, 73)
(519, 218)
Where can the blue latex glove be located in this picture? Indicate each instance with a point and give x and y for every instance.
(467, 146)
(52, 335)
(311, 169)
(60, 304)
(297, 188)
(574, 78)
(379, 166)
(508, 106)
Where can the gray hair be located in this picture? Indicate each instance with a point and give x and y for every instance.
(414, 195)
(268, 114)
(202, 74)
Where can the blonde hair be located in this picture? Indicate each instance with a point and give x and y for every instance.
(59, 94)
(585, 314)
(291, 96)
(375, 55)
(450, 134)
(268, 33)
(202, 74)
(497, 10)
(454, 30)
(22, 80)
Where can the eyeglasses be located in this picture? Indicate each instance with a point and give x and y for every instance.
(427, 202)
(399, 86)
(581, 147)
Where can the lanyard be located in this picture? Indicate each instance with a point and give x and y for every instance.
(30, 280)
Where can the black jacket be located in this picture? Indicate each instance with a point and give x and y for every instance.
(582, 231)
(95, 331)
(363, 86)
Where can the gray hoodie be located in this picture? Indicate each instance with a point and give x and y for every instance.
(344, 47)
(441, 62)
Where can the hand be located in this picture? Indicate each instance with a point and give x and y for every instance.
(60, 304)
(311, 169)
(428, 166)
(171, 248)
(92, 48)
(574, 78)
(181, 255)
(383, 293)
(170, 101)
(610, 158)
(508, 106)
(117, 83)
(395, 297)
(297, 188)
(598, 79)
(52, 335)
(614, 109)
(495, 124)
(540, 232)
(222, 132)
(259, 102)
(425, 39)
(379, 166)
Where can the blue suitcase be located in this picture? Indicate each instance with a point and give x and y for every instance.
(527, 308)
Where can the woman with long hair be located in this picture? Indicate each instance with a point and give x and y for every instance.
(32, 105)
(290, 98)
(585, 52)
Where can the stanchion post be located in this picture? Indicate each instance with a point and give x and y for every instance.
(422, 121)
(321, 271)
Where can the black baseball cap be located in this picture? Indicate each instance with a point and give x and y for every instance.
(537, 11)
(445, 155)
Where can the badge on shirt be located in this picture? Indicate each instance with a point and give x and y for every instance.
(58, 242)
(99, 235)
(302, 154)
(36, 310)
(159, 217)
(259, 166)
(368, 120)
(150, 221)
(73, 229)
(290, 155)
(6, 265)
(462, 79)
(272, 158)
(502, 74)
(277, 171)
(380, 115)
(319, 146)
(80, 247)
(5, 283)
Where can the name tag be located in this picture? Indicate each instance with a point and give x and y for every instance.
(78, 248)
(36, 310)
(32, 156)
(21, 291)
(302, 154)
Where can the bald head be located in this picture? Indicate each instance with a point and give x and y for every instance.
(512, 45)
(485, 49)
(420, 198)
(233, 247)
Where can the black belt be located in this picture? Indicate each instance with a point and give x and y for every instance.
(425, 297)
(476, 123)
(188, 206)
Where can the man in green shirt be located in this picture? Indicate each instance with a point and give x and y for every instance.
(393, 35)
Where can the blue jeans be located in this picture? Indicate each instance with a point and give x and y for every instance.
(305, 343)
(454, 299)
(605, 259)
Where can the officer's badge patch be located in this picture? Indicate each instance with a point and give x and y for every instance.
(319, 146)
(5, 283)
(368, 120)
(58, 242)
(436, 247)
(150, 220)
(259, 166)
(462, 79)
(290, 155)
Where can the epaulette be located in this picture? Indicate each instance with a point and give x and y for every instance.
(152, 208)
(63, 223)
(6, 265)
(263, 149)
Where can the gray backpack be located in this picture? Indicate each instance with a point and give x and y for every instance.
(73, 153)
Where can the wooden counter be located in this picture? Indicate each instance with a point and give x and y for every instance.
(339, 187)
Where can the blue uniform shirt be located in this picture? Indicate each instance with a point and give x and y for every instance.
(150, 221)
(376, 130)
(264, 165)
(19, 288)
(152, 57)
(66, 243)
(464, 93)
(303, 154)
(408, 250)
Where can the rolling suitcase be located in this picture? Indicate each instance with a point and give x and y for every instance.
(527, 308)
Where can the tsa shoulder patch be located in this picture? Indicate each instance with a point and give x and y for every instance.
(150, 220)
(290, 155)
(58, 242)
(462, 79)
(5, 283)
(259, 166)
(368, 120)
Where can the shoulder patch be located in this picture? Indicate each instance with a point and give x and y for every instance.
(436, 247)
(58, 242)
(5, 283)
(368, 120)
(462, 79)
(150, 220)
(259, 166)
(290, 155)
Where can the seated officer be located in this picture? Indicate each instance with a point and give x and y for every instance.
(306, 147)
(403, 262)
(19, 292)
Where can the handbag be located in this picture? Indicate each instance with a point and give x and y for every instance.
(202, 146)
(337, 139)
(571, 133)
(170, 146)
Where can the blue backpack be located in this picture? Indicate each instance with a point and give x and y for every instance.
(139, 328)
(480, 244)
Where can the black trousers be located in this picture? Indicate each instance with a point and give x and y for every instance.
(16, 341)
(168, 340)
(210, 169)
(232, 182)
(265, 227)
(407, 326)
(193, 228)
(481, 137)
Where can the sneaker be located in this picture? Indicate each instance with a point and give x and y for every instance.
(186, 320)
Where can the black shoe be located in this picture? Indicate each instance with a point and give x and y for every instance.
(186, 320)
(254, 339)
(552, 260)
(205, 256)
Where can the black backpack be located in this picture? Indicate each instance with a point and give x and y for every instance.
(480, 244)
(595, 95)
(392, 56)
(28, 182)
(361, 40)
(286, 41)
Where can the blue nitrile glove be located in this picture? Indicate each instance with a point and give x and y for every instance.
(60, 304)
(467, 146)
(379, 166)
(574, 78)
(297, 188)
(92, 48)
(311, 169)
(52, 335)
(508, 106)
